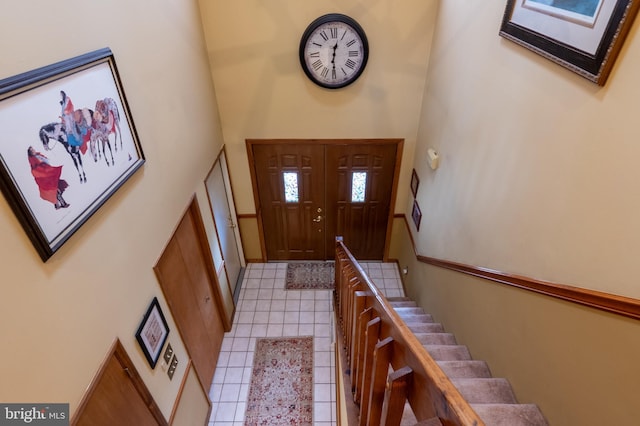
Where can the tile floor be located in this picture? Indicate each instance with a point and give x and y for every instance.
(266, 309)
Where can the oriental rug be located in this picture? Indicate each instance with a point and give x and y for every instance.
(281, 390)
(310, 276)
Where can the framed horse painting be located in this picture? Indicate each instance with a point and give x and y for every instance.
(69, 144)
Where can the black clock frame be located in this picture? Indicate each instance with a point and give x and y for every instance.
(333, 17)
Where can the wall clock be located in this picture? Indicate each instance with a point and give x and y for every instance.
(334, 51)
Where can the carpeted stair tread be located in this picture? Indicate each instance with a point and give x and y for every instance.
(425, 327)
(436, 338)
(402, 303)
(399, 299)
(492, 398)
(409, 310)
(510, 414)
(486, 391)
(448, 352)
(465, 369)
(413, 318)
(409, 419)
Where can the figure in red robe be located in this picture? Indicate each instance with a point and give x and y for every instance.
(48, 179)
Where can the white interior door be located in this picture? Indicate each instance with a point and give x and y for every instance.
(219, 192)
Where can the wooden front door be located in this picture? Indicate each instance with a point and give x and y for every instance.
(310, 191)
(359, 194)
(291, 182)
(185, 272)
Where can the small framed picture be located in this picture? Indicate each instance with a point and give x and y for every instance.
(153, 333)
(416, 214)
(415, 182)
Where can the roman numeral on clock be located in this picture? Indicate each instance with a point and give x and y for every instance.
(350, 43)
(317, 65)
(350, 64)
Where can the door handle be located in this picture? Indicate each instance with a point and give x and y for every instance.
(230, 222)
(318, 219)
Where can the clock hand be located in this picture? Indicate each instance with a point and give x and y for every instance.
(333, 59)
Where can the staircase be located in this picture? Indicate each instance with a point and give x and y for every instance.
(491, 398)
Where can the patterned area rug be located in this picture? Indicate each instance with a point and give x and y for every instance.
(310, 276)
(281, 390)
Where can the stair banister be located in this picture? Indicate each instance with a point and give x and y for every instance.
(429, 392)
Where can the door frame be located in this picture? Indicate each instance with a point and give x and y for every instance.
(256, 195)
(221, 160)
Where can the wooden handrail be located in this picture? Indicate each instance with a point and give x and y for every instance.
(621, 305)
(608, 302)
(364, 309)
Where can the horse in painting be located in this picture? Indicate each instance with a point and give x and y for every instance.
(57, 132)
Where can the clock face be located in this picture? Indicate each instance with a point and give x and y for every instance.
(333, 51)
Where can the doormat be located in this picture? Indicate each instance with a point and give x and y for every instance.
(310, 276)
(281, 390)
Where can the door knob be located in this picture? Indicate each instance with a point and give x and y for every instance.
(318, 219)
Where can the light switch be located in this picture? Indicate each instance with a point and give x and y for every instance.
(168, 353)
(172, 367)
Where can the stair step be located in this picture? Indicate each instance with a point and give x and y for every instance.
(510, 414)
(399, 299)
(448, 352)
(409, 310)
(436, 338)
(465, 369)
(416, 318)
(425, 327)
(491, 398)
(403, 303)
(486, 391)
(409, 419)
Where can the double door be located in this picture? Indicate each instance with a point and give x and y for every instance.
(310, 192)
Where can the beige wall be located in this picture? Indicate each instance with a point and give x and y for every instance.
(579, 365)
(538, 172)
(263, 92)
(537, 178)
(58, 319)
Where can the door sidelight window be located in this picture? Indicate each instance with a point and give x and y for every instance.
(290, 187)
(358, 187)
